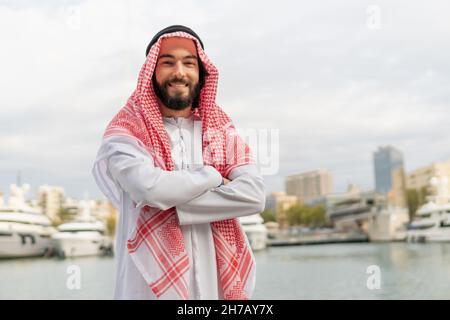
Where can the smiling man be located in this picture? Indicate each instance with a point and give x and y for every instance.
(163, 161)
(176, 78)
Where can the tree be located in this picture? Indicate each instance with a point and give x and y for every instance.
(268, 215)
(415, 199)
(63, 215)
(111, 224)
(310, 216)
(295, 215)
(317, 216)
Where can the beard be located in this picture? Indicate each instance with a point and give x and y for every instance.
(176, 101)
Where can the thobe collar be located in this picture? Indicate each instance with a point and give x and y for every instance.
(179, 121)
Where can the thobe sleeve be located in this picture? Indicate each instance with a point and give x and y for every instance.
(244, 195)
(132, 170)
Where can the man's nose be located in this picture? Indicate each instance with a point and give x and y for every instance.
(180, 70)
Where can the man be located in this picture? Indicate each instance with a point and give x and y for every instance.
(163, 161)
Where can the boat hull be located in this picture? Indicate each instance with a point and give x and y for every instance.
(24, 245)
(257, 237)
(430, 235)
(78, 244)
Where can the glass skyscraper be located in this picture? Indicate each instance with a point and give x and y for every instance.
(386, 160)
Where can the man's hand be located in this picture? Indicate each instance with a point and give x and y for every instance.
(226, 181)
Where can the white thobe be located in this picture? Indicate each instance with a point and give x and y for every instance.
(192, 188)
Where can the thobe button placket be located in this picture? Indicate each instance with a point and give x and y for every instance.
(185, 162)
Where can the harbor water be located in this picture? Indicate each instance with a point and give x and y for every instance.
(333, 271)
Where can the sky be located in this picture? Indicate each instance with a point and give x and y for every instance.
(335, 79)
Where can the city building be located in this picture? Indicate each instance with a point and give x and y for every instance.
(390, 177)
(50, 200)
(279, 203)
(386, 160)
(308, 186)
(419, 179)
(370, 213)
(329, 201)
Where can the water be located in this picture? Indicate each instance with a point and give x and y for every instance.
(336, 271)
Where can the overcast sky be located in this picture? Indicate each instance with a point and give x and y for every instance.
(336, 78)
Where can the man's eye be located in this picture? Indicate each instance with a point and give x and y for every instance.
(167, 63)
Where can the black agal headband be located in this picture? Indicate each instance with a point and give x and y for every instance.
(171, 29)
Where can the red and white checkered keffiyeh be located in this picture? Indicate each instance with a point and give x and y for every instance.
(157, 245)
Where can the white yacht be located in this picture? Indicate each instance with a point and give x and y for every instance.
(255, 230)
(24, 231)
(432, 220)
(85, 236)
(431, 224)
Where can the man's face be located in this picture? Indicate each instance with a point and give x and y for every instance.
(176, 80)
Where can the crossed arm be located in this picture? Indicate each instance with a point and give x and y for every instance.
(197, 194)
